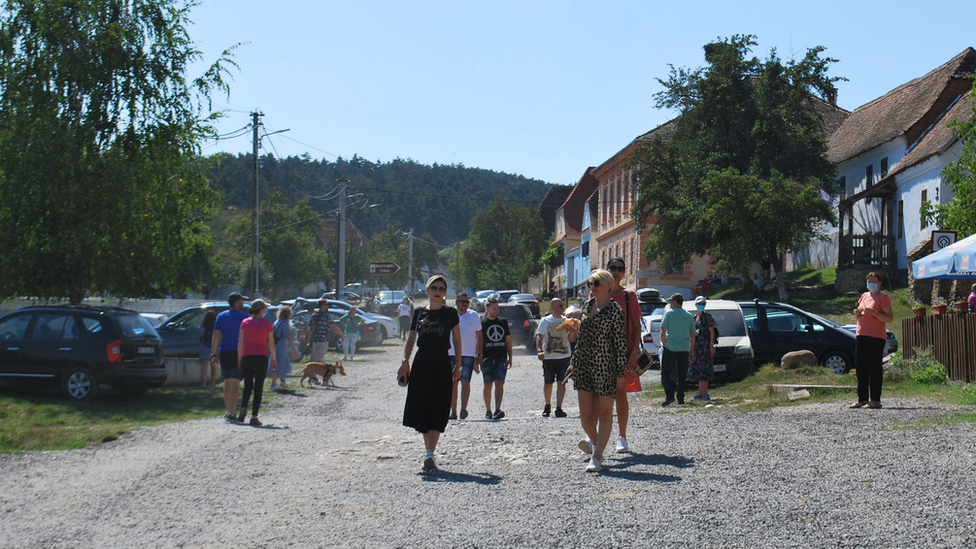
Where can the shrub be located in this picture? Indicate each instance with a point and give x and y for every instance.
(921, 369)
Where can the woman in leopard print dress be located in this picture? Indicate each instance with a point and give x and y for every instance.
(598, 361)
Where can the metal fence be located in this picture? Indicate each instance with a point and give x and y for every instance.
(951, 337)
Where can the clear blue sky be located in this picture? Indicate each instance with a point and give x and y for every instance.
(538, 88)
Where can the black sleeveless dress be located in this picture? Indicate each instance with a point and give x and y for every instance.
(429, 391)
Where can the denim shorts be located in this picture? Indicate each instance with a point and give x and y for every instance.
(232, 370)
(554, 370)
(467, 366)
(494, 369)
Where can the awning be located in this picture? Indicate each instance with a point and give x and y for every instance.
(955, 261)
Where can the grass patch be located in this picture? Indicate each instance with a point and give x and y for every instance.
(39, 421)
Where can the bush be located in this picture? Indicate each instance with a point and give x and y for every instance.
(921, 369)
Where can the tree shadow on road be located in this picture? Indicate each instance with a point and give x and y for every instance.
(440, 475)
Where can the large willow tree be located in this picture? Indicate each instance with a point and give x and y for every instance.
(100, 189)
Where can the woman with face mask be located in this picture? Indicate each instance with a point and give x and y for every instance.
(873, 311)
(701, 360)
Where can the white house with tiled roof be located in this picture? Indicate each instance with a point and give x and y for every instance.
(890, 154)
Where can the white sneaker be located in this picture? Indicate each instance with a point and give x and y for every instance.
(594, 466)
(274, 387)
(586, 446)
(429, 464)
(622, 445)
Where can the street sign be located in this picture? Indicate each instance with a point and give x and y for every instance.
(383, 268)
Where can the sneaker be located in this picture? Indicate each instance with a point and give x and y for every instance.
(594, 466)
(622, 445)
(498, 414)
(667, 402)
(452, 416)
(586, 446)
(546, 411)
(429, 464)
(464, 414)
(488, 415)
(696, 397)
(274, 387)
(231, 417)
(255, 421)
(560, 412)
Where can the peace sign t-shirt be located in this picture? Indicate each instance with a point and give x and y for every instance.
(493, 334)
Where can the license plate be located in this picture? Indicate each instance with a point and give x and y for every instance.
(719, 367)
(147, 350)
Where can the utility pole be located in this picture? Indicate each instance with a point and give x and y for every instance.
(410, 264)
(341, 275)
(255, 221)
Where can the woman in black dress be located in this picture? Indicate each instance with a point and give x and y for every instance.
(432, 376)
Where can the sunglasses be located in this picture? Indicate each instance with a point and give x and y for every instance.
(438, 288)
(613, 268)
(462, 301)
(593, 283)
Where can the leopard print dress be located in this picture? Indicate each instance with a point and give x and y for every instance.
(600, 354)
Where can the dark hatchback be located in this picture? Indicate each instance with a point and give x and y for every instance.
(387, 302)
(80, 350)
(521, 323)
(777, 328)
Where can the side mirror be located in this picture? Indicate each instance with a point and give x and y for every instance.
(808, 328)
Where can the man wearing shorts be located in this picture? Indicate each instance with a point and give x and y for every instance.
(227, 332)
(319, 324)
(496, 346)
(553, 348)
(470, 324)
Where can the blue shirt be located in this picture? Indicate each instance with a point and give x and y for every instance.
(679, 324)
(229, 324)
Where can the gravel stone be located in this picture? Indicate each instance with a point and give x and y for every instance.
(335, 468)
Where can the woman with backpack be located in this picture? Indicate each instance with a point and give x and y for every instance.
(701, 361)
(284, 342)
(205, 337)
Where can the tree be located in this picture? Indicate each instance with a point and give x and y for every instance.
(503, 248)
(99, 132)
(747, 127)
(959, 214)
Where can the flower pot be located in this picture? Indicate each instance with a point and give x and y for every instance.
(961, 307)
(938, 309)
(919, 312)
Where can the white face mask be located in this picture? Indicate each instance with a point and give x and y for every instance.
(872, 287)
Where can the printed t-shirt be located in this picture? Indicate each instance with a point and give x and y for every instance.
(493, 334)
(556, 343)
(229, 324)
(404, 309)
(867, 325)
(470, 324)
(320, 323)
(256, 332)
(679, 325)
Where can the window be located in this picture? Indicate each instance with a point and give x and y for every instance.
(48, 327)
(842, 183)
(585, 249)
(925, 197)
(901, 219)
(783, 321)
(869, 176)
(884, 166)
(14, 327)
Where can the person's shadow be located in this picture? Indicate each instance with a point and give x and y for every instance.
(440, 475)
(622, 467)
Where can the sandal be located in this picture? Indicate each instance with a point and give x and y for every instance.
(858, 404)
(874, 404)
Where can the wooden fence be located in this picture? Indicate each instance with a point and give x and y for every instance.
(951, 337)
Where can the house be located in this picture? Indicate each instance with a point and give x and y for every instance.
(552, 271)
(571, 217)
(615, 232)
(890, 154)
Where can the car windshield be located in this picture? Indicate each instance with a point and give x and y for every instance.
(729, 323)
(651, 309)
(516, 313)
(135, 325)
(522, 297)
(485, 294)
(391, 296)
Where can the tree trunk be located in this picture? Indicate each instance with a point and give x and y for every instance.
(781, 279)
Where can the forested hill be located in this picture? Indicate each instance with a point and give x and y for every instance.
(438, 199)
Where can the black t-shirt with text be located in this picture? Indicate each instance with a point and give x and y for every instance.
(493, 333)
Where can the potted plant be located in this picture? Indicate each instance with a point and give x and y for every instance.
(961, 305)
(917, 307)
(939, 305)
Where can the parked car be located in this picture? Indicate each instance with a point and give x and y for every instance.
(527, 299)
(180, 334)
(503, 295)
(370, 333)
(521, 324)
(388, 327)
(80, 350)
(650, 300)
(386, 302)
(155, 318)
(345, 295)
(734, 357)
(706, 284)
(480, 299)
(891, 345)
(779, 328)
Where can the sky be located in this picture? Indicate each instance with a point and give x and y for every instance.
(542, 89)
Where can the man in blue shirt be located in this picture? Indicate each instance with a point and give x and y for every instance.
(227, 332)
(677, 340)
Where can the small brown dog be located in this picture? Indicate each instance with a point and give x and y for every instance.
(323, 369)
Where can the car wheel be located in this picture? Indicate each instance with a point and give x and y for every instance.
(840, 362)
(80, 384)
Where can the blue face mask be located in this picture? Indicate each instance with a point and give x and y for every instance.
(701, 308)
(872, 287)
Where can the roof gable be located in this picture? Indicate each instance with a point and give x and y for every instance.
(907, 111)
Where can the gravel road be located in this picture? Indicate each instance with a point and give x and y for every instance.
(334, 467)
